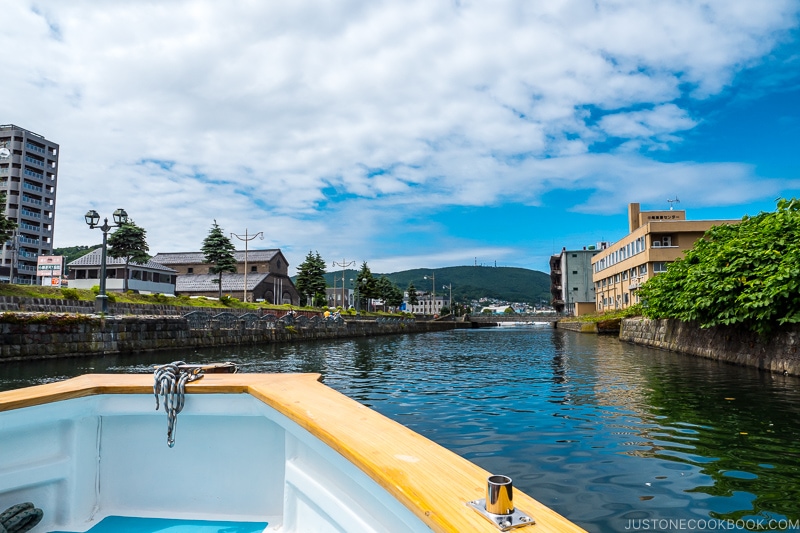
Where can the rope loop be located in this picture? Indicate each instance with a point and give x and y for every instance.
(170, 384)
(20, 518)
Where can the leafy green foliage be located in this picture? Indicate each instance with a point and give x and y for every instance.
(745, 274)
(7, 226)
(310, 280)
(218, 251)
(129, 242)
(70, 294)
(387, 291)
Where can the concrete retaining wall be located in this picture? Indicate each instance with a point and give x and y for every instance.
(778, 353)
(25, 337)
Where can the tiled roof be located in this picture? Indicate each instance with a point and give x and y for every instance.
(230, 282)
(182, 258)
(94, 258)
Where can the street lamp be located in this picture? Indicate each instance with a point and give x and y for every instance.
(433, 294)
(247, 238)
(450, 286)
(92, 219)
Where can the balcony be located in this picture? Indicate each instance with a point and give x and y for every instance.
(33, 174)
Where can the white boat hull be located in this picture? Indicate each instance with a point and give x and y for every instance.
(271, 456)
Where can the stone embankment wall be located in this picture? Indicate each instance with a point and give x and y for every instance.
(604, 327)
(24, 338)
(778, 353)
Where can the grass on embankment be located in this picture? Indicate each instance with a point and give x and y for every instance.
(226, 302)
(36, 291)
(603, 317)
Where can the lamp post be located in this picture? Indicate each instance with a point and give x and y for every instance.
(450, 304)
(246, 240)
(355, 294)
(92, 219)
(344, 264)
(433, 294)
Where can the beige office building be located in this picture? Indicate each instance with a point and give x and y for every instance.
(655, 239)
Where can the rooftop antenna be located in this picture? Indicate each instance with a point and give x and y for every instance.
(671, 207)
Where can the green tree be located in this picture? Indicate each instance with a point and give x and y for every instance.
(311, 280)
(365, 283)
(745, 274)
(7, 226)
(129, 241)
(413, 297)
(383, 290)
(218, 251)
(395, 297)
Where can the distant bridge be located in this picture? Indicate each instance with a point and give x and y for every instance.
(496, 319)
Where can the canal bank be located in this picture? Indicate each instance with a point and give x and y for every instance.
(777, 353)
(30, 336)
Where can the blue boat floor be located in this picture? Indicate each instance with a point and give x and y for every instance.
(126, 524)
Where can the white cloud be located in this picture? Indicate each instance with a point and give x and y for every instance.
(257, 111)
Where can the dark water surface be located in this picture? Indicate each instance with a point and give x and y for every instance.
(613, 436)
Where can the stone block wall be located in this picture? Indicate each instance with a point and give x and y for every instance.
(25, 337)
(778, 353)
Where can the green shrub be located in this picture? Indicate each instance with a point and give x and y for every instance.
(70, 294)
(745, 274)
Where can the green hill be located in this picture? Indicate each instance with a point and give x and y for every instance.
(469, 282)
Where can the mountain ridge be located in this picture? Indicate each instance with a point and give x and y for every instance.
(469, 283)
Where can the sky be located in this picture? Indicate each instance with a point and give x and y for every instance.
(405, 134)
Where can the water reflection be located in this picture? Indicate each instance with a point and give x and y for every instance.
(602, 431)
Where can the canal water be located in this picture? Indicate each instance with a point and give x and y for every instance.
(613, 436)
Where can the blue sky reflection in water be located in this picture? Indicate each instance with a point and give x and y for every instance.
(602, 431)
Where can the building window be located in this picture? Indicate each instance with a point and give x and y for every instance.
(574, 271)
(254, 268)
(190, 270)
(659, 266)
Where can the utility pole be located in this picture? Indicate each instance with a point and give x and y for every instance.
(247, 238)
(344, 264)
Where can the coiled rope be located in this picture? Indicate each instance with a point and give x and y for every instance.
(19, 518)
(170, 383)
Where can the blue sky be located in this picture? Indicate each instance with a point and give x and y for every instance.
(413, 134)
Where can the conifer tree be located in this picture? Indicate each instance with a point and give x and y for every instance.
(218, 251)
(365, 284)
(413, 297)
(311, 280)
